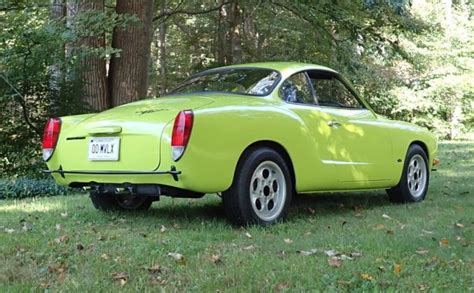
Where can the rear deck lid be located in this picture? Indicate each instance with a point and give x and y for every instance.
(123, 138)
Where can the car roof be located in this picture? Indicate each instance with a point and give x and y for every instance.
(285, 68)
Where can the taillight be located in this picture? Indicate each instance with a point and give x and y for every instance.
(50, 137)
(183, 124)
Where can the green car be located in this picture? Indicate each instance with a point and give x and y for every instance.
(255, 133)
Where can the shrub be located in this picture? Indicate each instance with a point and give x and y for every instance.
(26, 187)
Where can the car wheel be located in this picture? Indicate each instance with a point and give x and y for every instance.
(110, 202)
(262, 189)
(413, 184)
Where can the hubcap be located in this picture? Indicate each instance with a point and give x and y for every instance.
(416, 175)
(268, 191)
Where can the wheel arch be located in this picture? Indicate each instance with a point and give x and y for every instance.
(422, 145)
(279, 148)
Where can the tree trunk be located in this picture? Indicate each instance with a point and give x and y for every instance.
(162, 48)
(92, 68)
(235, 28)
(128, 75)
(221, 48)
(57, 15)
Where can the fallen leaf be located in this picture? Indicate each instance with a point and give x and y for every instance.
(59, 268)
(334, 262)
(155, 269)
(422, 287)
(345, 257)
(385, 216)
(421, 251)
(288, 241)
(62, 239)
(397, 268)
(344, 283)
(26, 227)
(157, 280)
(367, 277)
(216, 258)
(177, 256)
(444, 242)
(247, 234)
(379, 227)
(459, 225)
(331, 252)
(426, 231)
(120, 277)
(250, 247)
(281, 286)
(307, 253)
(163, 229)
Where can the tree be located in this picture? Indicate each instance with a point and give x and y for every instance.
(91, 66)
(128, 75)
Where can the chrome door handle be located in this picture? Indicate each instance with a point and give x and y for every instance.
(334, 124)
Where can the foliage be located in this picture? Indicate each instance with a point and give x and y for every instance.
(38, 80)
(64, 244)
(411, 59)
(26, 187)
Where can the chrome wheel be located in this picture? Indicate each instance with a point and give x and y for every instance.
(268, 191)
(417, 175)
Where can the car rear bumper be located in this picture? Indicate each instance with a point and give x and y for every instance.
(173, 172)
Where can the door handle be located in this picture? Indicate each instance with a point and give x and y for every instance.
(334, 124)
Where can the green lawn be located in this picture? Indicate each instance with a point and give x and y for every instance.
(63, 243)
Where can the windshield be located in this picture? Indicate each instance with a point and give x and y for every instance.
(246, 81)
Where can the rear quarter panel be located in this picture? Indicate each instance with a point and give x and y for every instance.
(222, 132)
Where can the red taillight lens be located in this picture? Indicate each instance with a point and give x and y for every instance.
(182, 127)
(50, 137)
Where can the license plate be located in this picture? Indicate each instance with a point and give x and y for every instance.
(104, 148)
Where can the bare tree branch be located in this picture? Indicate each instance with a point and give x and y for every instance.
(21, 100)
(167, 14)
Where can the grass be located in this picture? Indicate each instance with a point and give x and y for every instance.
(64, 244)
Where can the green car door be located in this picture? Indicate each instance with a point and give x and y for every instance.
(351, 144)
(361, 148)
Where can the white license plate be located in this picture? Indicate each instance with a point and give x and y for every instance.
(104, 148)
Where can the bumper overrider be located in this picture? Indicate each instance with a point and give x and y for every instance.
(173, 172)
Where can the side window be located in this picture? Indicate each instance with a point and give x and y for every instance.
(296, 89)
(331, 92)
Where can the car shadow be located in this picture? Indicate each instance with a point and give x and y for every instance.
(307, 205)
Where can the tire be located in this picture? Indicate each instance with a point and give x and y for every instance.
(112, 202)
(413, 185)
(262, 189)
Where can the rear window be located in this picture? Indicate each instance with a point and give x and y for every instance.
(245, 81)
